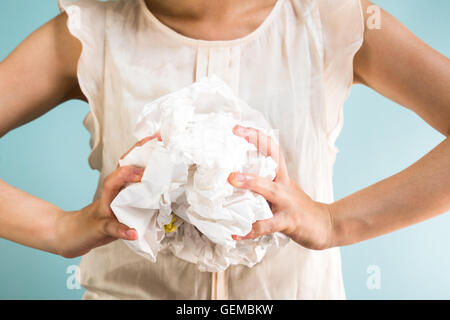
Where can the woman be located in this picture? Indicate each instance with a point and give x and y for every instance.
(294, 60)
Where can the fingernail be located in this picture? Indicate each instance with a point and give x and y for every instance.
(235, 237)
(130, 234)
(239, 129)
(239, 178)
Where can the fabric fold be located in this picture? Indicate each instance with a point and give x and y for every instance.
(343, 35)
(86, 22)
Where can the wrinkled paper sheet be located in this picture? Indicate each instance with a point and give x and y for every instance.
(184, 203)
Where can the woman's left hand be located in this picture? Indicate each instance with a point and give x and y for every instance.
(307, 222)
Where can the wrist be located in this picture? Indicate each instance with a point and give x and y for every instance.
(60, 230)
(314, 226)
(331, 233)
(335, 239)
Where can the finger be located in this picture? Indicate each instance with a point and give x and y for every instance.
(266, 145)
(269, 189)
(262, 227)
(118, 179)
(115, 229)
(261, 141)
(142, 142)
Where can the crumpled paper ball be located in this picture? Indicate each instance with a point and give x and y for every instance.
(184, 204)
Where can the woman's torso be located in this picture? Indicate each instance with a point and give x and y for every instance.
(286, 69)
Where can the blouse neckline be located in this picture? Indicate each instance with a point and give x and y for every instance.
(210, 43)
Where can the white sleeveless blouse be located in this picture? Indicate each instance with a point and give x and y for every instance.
(296, 68)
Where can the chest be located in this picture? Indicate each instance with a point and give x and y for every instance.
(277, 70)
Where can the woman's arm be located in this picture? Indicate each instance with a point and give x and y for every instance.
(403, 68)
(419, 192)
(400, 66)
(37, 76)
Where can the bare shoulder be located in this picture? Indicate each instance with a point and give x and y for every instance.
(402, 67)
(42, 71)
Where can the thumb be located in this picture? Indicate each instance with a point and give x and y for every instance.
(115, 229)
(118, 179)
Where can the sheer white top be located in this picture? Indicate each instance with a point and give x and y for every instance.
(296, 68)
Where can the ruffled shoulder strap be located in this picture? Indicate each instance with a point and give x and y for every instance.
(342, 23)
(86, 22)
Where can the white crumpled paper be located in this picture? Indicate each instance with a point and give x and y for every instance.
(184, 203)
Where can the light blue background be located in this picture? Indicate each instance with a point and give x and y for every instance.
(48, 158)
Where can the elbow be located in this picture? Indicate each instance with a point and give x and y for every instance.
(3, 132)
(445, 130)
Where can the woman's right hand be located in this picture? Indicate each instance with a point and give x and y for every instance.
(77, 232)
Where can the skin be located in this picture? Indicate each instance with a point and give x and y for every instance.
(47, 77)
